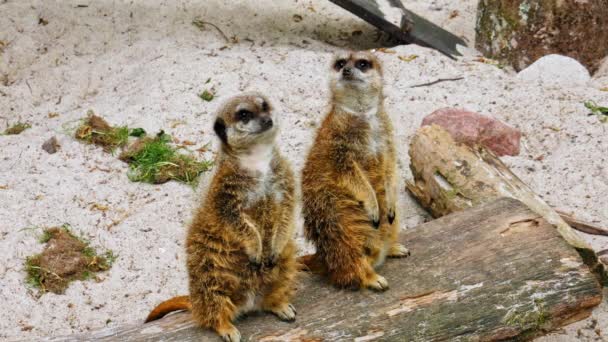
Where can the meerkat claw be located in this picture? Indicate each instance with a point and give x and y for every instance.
(379, 284)
(271, 261)
(376, 224)
(231, 336)
(286, 313)
(255, 264)
(391, 217)
(399, 251)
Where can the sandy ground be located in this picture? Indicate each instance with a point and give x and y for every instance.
(142, 63)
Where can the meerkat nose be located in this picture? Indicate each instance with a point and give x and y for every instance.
(347, 71)
(266, 122)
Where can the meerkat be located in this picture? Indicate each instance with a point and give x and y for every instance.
(349, 181)
(240, 248)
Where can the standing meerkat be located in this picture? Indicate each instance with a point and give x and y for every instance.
(240, 248)
(349, 181)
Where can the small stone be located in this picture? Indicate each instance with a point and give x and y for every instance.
(473, 129)
(51, 146)
(556, 70)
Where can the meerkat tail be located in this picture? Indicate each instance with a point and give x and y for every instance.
(311, 263)
(178, 303)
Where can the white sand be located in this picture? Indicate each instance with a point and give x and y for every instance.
(142, 63)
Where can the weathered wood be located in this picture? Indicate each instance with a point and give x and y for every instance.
(449, 177)
(498, 271)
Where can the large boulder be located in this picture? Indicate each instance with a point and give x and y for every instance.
(556, 70)
(518, 32)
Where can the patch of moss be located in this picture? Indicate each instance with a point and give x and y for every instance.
(532, 321)
(95, 130)
(64, 259)
(17, 128)
(154, 160)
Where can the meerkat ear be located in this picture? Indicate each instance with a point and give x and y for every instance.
(220, 129)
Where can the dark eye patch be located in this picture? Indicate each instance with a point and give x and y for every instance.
(265, 106)
(340, 63)
(244, 115)
(220, 129)
(363, 65)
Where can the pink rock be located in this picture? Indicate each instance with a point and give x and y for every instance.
(475, 129)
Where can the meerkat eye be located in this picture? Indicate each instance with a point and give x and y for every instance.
(363, 64)
(244, 115)
(340, 63)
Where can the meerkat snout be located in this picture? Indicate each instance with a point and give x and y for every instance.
(347, 72)
(266, 123)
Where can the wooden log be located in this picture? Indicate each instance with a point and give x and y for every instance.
(449, 177)
(493, 272)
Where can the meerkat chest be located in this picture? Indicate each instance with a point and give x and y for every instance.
(376, 139)
(264, 186)
(265, 191)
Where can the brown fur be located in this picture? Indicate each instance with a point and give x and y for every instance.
(349, 181)
(241, 255)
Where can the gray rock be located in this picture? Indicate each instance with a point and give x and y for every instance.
(51, 146)
(556, 70)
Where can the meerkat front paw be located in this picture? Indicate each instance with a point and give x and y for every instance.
(398, 251)
(271, 261)
(255, 261)
(231, 334)
(377, 283)
(285, 312)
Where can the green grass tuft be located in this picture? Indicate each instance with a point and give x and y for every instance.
(154, 160)
(45, 237)
(17, 128)
(151, 160)
(601, 112)
(34, 273)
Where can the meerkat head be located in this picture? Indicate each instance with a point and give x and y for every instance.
(244, 122)
(356, 80)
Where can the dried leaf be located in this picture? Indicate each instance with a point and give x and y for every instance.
(408, 58)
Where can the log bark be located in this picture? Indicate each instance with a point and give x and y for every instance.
(494, 272)
(449, 177)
